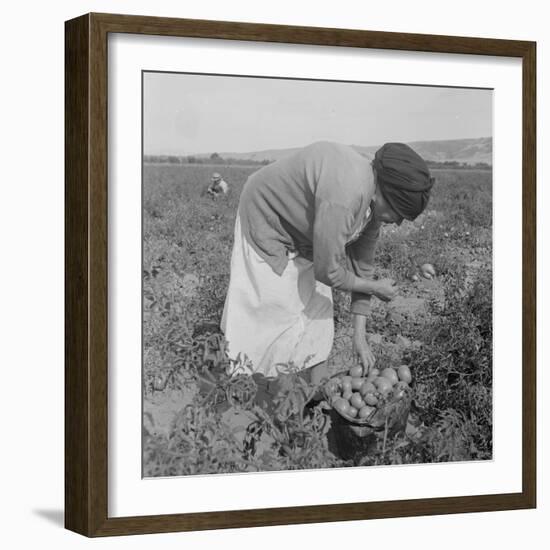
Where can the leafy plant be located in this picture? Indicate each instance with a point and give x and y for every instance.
(186, 256)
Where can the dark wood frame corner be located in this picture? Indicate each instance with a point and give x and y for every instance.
(86, 274)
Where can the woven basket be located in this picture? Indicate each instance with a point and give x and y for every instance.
(389, 415)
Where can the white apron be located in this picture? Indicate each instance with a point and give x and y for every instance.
(272, 318)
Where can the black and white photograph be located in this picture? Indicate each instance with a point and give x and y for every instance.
(274, 275)
(317, 274)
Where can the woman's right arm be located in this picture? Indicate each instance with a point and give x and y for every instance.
(384, 289)
(332, 224)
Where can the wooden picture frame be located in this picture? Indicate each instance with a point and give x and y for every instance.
(86, 282)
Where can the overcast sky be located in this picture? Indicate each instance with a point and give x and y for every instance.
(186, 114)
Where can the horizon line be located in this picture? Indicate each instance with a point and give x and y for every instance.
(301, 146)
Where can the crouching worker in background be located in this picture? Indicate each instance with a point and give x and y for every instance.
(298, 218)
(218, 186)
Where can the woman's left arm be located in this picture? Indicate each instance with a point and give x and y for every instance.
(360, 345)
(361, 256)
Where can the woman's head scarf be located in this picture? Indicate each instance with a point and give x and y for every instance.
(403, 178)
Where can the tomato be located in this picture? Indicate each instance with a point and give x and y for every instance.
(374, 372)
(334, 398)
(356, 383)
(342, 406)
(367, 387)
(391, 375)
(365, 411)
(347, 395)
(331, 387)
(346, 385)
(356, 372)
(398, 394)
(427, 271)
(352, 411)
(371, 399)
(357, 401)
(383, 385)
(399, 390)
(404, 374)
(159, 383)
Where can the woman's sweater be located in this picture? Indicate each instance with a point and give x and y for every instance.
(315, 202)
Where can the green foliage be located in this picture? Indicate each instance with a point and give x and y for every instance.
(196, 445)
(187, 239)
(453, 368)
(451, 437)
(455, 227)
(286, 436)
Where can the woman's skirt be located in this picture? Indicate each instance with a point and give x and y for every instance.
(274, 320)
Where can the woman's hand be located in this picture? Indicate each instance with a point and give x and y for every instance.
(362, 349)
(385, 289)
(360, 345)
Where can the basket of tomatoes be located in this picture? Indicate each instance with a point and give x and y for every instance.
(373, 401)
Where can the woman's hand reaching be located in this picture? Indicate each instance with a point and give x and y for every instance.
(385, 289)
(361, 347)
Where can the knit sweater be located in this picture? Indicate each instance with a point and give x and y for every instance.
(315, 202)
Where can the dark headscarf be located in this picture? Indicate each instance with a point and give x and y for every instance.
(403, 178)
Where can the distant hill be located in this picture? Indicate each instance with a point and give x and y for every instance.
(468, 151)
